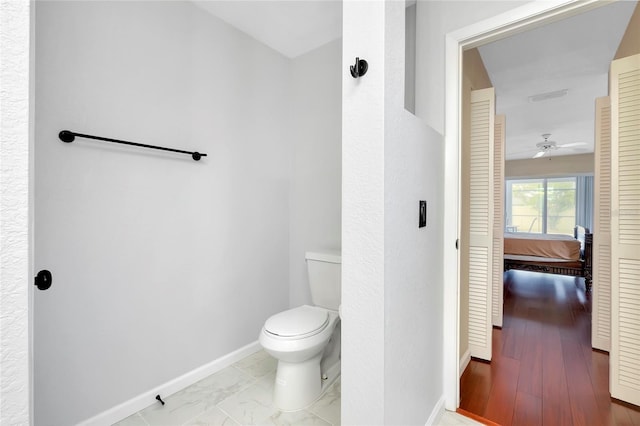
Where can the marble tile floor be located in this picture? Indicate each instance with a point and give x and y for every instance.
(450, 418)
(241, 395)
(237, 395)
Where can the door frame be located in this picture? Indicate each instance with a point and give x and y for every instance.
(520, 19)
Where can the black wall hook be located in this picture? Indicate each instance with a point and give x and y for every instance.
(159, 399)
(360, 68)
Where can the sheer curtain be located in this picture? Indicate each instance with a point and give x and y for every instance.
(584, 201)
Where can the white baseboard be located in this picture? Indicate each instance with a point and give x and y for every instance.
(466, 358)
(145, 399)
(437, 413)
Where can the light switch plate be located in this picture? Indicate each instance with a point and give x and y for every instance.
(422, 218)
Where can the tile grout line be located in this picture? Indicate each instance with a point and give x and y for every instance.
(254, 382)
(315, 402)
(143, 419)
(321, 418)
(229, 416)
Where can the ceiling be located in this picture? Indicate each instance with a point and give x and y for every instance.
(292, 27)
(572, 54)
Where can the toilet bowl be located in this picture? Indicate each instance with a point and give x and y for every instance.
(298, 339)
(306, 340)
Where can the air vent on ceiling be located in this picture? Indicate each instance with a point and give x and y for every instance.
(548, 95)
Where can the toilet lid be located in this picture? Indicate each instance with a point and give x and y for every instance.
(297, 321)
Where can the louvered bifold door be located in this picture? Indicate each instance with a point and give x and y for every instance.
(480, 222)
(625, 229)
(601, 316)
(498, 220)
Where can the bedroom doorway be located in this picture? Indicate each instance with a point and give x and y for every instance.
(503, 26)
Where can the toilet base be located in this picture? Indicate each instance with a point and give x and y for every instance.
(297, 384)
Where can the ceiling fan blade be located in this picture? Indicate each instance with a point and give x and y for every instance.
(569, 145)
(539, 154)
(527, 151)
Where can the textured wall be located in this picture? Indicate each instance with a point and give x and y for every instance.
(413, 171)
(392, 270)
(14, 212)
(363, 274)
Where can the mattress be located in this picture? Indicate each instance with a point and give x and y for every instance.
(552, 246)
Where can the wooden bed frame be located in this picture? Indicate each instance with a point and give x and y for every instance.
(582, 269)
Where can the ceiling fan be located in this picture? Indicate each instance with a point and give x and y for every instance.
(547, 145)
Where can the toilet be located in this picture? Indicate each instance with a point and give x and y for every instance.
(306, 340)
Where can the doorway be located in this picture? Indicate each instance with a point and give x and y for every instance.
(520, 19)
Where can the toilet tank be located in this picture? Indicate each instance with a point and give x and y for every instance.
(323, 269)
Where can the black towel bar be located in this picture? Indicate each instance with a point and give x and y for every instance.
(69, 136)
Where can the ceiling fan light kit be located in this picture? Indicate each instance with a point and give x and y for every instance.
(547, 145)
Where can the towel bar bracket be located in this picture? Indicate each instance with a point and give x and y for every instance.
(67, 136)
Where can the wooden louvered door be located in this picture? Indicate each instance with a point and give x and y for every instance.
(480, 214)
(498, 220)
(625, 229)
(601, 314)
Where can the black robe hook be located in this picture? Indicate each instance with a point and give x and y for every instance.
(360, 68)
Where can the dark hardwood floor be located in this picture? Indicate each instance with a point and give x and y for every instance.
(543, 371)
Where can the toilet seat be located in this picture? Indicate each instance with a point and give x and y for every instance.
(297, 323)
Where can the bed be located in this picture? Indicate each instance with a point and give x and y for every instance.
(550, 253)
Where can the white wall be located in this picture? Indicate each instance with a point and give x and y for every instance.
(392, 270)
(363, 203)
(562, 165)
(161, 264)
(15, 281)
(410, 59)
(434, 20)
(316, 136)
(413, 256)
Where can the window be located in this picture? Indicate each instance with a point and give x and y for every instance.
(546, 206)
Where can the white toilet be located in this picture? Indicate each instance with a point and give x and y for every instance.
(306, 340)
